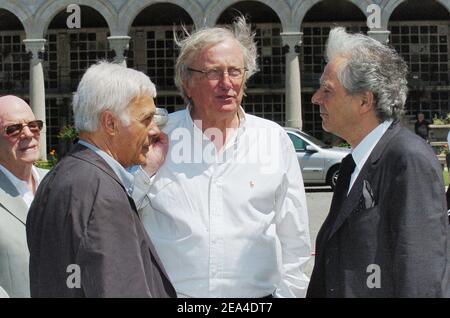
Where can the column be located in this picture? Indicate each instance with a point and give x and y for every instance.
(380, 35)
(140, 47)
(63, 62)
(37, 87)
(292, 42)
(120, 45)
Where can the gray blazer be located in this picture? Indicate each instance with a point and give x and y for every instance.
(14, 255)
(82, 216)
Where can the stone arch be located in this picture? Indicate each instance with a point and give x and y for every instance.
(22, 13)
(445, 3)
(303, 7)
(51, 8)
(389, 9)
(392, 5)
(281, 9)
(131, 10)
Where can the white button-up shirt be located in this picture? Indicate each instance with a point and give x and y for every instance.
(232, 223)
(363, 150)
(22, 186)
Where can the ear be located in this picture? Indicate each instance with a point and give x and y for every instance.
(187, 89)
(108, 123)
(367, 102)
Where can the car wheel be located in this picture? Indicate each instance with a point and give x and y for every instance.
(333, 175)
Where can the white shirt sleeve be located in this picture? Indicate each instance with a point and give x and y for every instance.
(292, 226)
(142, 184)
(448, 139)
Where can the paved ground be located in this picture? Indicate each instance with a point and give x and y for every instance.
(318, 201)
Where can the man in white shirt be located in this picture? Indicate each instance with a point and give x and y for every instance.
(19, 179)
(227, 210)
(387, 232)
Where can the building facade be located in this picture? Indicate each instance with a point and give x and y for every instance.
(43, 52)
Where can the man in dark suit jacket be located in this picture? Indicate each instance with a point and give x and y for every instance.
(83, 230)
(387, 234)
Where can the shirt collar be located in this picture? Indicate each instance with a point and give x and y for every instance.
(124, 176)
(365, 147)
(242, 121)
(21, 186)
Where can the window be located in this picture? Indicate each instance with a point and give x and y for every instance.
(299, 143)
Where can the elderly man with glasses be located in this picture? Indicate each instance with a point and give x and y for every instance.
(227, 210)
(19, 179)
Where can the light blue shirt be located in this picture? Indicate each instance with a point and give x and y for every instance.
(362, 152)
(124, 176)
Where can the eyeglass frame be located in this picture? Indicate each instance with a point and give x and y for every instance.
(40, 125)
(206, 72)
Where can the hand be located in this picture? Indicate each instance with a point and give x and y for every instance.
(156, 154)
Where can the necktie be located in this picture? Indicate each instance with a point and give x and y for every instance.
(340, 193)
(345, 174)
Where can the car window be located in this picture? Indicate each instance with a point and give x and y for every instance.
(314, 140)
(299, 144)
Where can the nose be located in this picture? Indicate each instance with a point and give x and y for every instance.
(26, 132)
(153, 129)
(315, 99)
(225, 81)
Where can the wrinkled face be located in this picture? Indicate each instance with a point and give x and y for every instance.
(21, 149)
(217, 98)
(338, 110)
(132, 142)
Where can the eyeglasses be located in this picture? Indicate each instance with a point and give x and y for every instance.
(161, 117)
(14, 130)
(216, 74)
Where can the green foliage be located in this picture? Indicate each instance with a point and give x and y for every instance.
(50, 163)
(442, 120)
(68, 133)
(344, 145)
(43, 164)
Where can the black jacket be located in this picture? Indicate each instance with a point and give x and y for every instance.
(392, 224)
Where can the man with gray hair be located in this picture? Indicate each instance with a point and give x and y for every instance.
(226, 225)
(84, 234)
(387, 233)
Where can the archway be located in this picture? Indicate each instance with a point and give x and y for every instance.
(265, 93)
(68, 53)
(420, 32)
(316, 26)
(14, 60)
(153, 49)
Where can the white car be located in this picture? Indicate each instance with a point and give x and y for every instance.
(319, 162)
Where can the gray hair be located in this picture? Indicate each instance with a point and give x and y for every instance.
(192, 44)
(108, 86)
(370, 66)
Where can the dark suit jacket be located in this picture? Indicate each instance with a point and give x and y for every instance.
(82, 215)
(403, 229)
